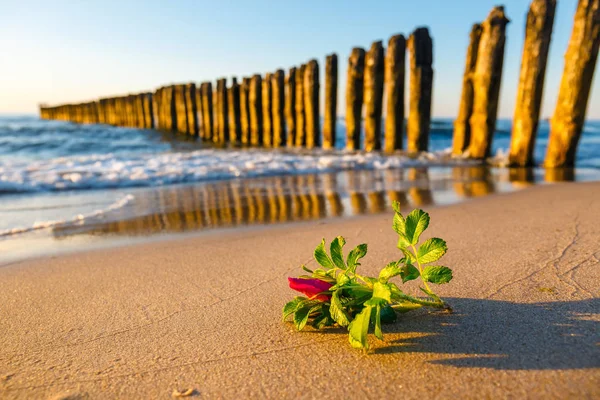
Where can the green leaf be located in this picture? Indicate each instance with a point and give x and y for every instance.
(336, 309)
(356, 254)
(396, 206)
(399, 224)
(336, 252)
(432, 250)
(292, 306)
(388, 315)
(378, 333)
(322, 257)
(408, 256)
(437, 274)
(409, 272)
(306, 269)
(390, 270)
(302, 314)
(342, 279)
(416, 222)
(359, 328)
(382, 291)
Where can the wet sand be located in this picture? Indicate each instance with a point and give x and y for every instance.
(203, 313)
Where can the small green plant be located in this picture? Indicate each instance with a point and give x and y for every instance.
(337, 295)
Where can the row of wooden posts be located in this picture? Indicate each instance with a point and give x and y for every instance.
(277, 110)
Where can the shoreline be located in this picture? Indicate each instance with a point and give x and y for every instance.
(203, 312)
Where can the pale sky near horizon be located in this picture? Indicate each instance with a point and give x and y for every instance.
(72, 51)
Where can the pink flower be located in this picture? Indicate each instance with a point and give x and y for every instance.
(311, 287)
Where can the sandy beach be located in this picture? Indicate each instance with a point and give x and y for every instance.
(204, 313)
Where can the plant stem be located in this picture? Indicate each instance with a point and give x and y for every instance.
(420, 268)
(428, 303)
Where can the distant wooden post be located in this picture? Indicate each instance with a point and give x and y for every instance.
(278, 115)
(354, 97)
(300, 111)
(420, 47)
(171, 108)
(233, 99)
(148, 111)
(311, 104)
(538, 33)
(373, 96)
(267, 111)
(207, 111)
(290, 106)
(394, 86)
(580, 61)
(199, 111)
(245, 110)
(330, 117)
(180, 99)
(191, 109)
(256, 130)
(223, 110)
(462, 126)
(486, 83)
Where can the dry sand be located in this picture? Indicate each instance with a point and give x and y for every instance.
(203, 313)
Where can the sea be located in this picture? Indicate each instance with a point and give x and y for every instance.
(66, 186)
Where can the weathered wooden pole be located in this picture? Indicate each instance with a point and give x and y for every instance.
(373, 96)
(191, 109)
(223, 110)
(148, 111)
(580, 61)
(394, 86)
(354, 97)
(171, 108)
(182, 117)
(199, 111)
(290, 106)
(278, 113)
(245, 110)
(233, 104)
(256, 130)
(311, 104)
(330, 117)
(538, 33)
(486, 83)
(420, 47)
(462, 126)
(300, 112)
(267, 111)
(207, 111)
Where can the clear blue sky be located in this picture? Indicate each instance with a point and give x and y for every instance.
(68, 51)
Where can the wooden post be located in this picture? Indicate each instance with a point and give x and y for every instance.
(354, 97)
(290, 106)
(245, 110)
(191, 109)
(171, 108)
(233, 104)
(267, 116)
(256, 131)
(180, 101)
(394, 86)
(538, 33)
(486, 83)
(207, 111)
(223, 110)
(462, 126)
(420, 47)
(311, 104)
(278, 99)
(373, 96)
(199, 111)
(330, 117)
(580, 61)
(300, 112)
(148, 111)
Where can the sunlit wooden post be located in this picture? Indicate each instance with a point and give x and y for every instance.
(373, 96)
(300, 112)
(486, 83)
(290, 106)
(580, 61)
(267, 111)
(256, 130)
(278, 114)
(180, 99)
(191, 109)
(223, 110)
(233, 99)
(199, 111)
(462, 125)
(394, 87)
(420, 47)
(330, 117)
(245, 110)
(207, 111)
(354, 97)
(171, 108)
(311, 104)
(148, 111)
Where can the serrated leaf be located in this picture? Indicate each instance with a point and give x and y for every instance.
(390, 270)
(336, 252)
(408, 255)
(378, 333)
(336, 310)
(396, 206)
(356, 254)
(382, 291)
(359, 328)
(432, 250)
(437, 274)
(322, 257)
(409, 272)
(302, 314)
(399, 224)
(292, 306)
(416, 222)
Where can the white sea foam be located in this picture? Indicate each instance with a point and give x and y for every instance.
(138, 170)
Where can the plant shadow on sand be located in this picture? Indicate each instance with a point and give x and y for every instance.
(502, 335)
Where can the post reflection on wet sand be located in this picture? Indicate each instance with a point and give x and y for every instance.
(294, 198)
